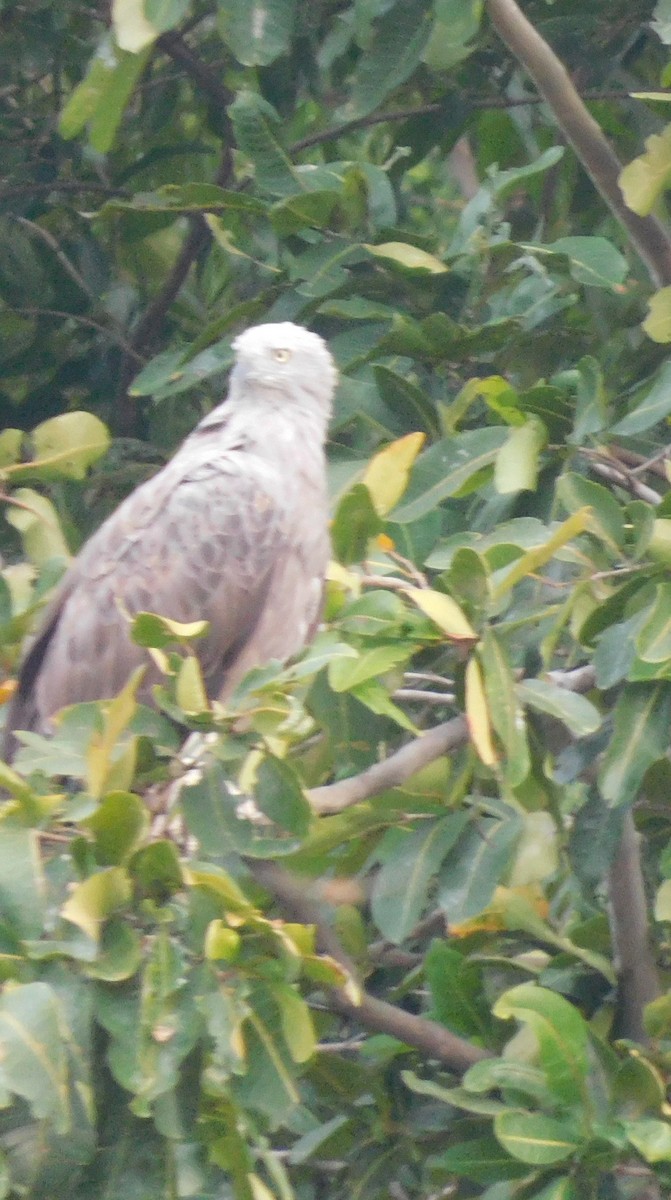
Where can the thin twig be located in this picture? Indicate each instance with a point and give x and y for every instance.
(61, 185)
(413, 695)
(69, 267)
(112, 333)
(623, 479)
(428, 110)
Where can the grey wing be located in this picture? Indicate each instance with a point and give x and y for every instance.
(201, 546)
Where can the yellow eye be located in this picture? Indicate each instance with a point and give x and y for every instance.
(281, 355)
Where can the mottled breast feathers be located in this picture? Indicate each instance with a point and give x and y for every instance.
(233, 530)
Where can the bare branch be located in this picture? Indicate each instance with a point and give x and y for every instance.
(638, 982)
(392, 771)
(648, 236)
(426, 1035)
(426, 110)
(109, 331)
(624, 479)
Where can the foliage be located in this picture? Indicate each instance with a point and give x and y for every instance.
(174, 1020)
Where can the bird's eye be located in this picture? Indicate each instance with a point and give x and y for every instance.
(281, 355)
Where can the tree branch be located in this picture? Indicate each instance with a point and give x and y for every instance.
(374, 1014)
(647, 235)
(392, 771)
(427, 110)
(638, 982)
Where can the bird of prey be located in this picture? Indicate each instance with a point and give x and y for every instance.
(234, 529)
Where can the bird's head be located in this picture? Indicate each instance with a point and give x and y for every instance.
(285, 360)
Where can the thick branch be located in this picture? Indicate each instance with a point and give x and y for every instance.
(392, 771)
(647, 234)
(638, 982)
(425, 1035)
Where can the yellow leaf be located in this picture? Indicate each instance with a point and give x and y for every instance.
(100, 759)
(643, 179)
(96, 899)
(386, 475)
(495, 916)
(657, 324)
(477, 714)
(540, 555)
(7, 689)
(445, 612)
(411, 258)
(190, 688)
(131, 28)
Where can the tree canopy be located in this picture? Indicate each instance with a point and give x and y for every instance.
(394, 922)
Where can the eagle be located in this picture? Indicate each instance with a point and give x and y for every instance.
(233, 530)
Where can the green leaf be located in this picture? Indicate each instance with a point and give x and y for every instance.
(651, 1138)
(165, 14)
(511, 1077)
(481, 1159)
(66, 446)
(395, 51)
(346, 673)
(561, 1034)
(34, 1064)
(118, 826)
(536, 1139)
(22, 882)
(537, 855)
(156, 869)
(444, 612)
(297, 1025)
(354, 524)
(279, 795)
(254, 123)
(605, 519)
(257, 31)
(517, 462)
(405, 398)
(309, 210)
(653, 639)
(97, 898)
(150, 629)
(11, 441)
(642, 717)
(101, 98)
(410, 859)
(37, 521)
(268, 1085)
(530, 562)
(455, 984)
(447, 468)
(654, 408)
(471, 872)
(593, 261)
(119, 86)
(505, 710)
(457, 22)
(575, 711)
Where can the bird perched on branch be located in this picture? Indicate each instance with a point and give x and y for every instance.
(234, 529)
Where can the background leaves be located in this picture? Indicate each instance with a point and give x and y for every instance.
(396, 922)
